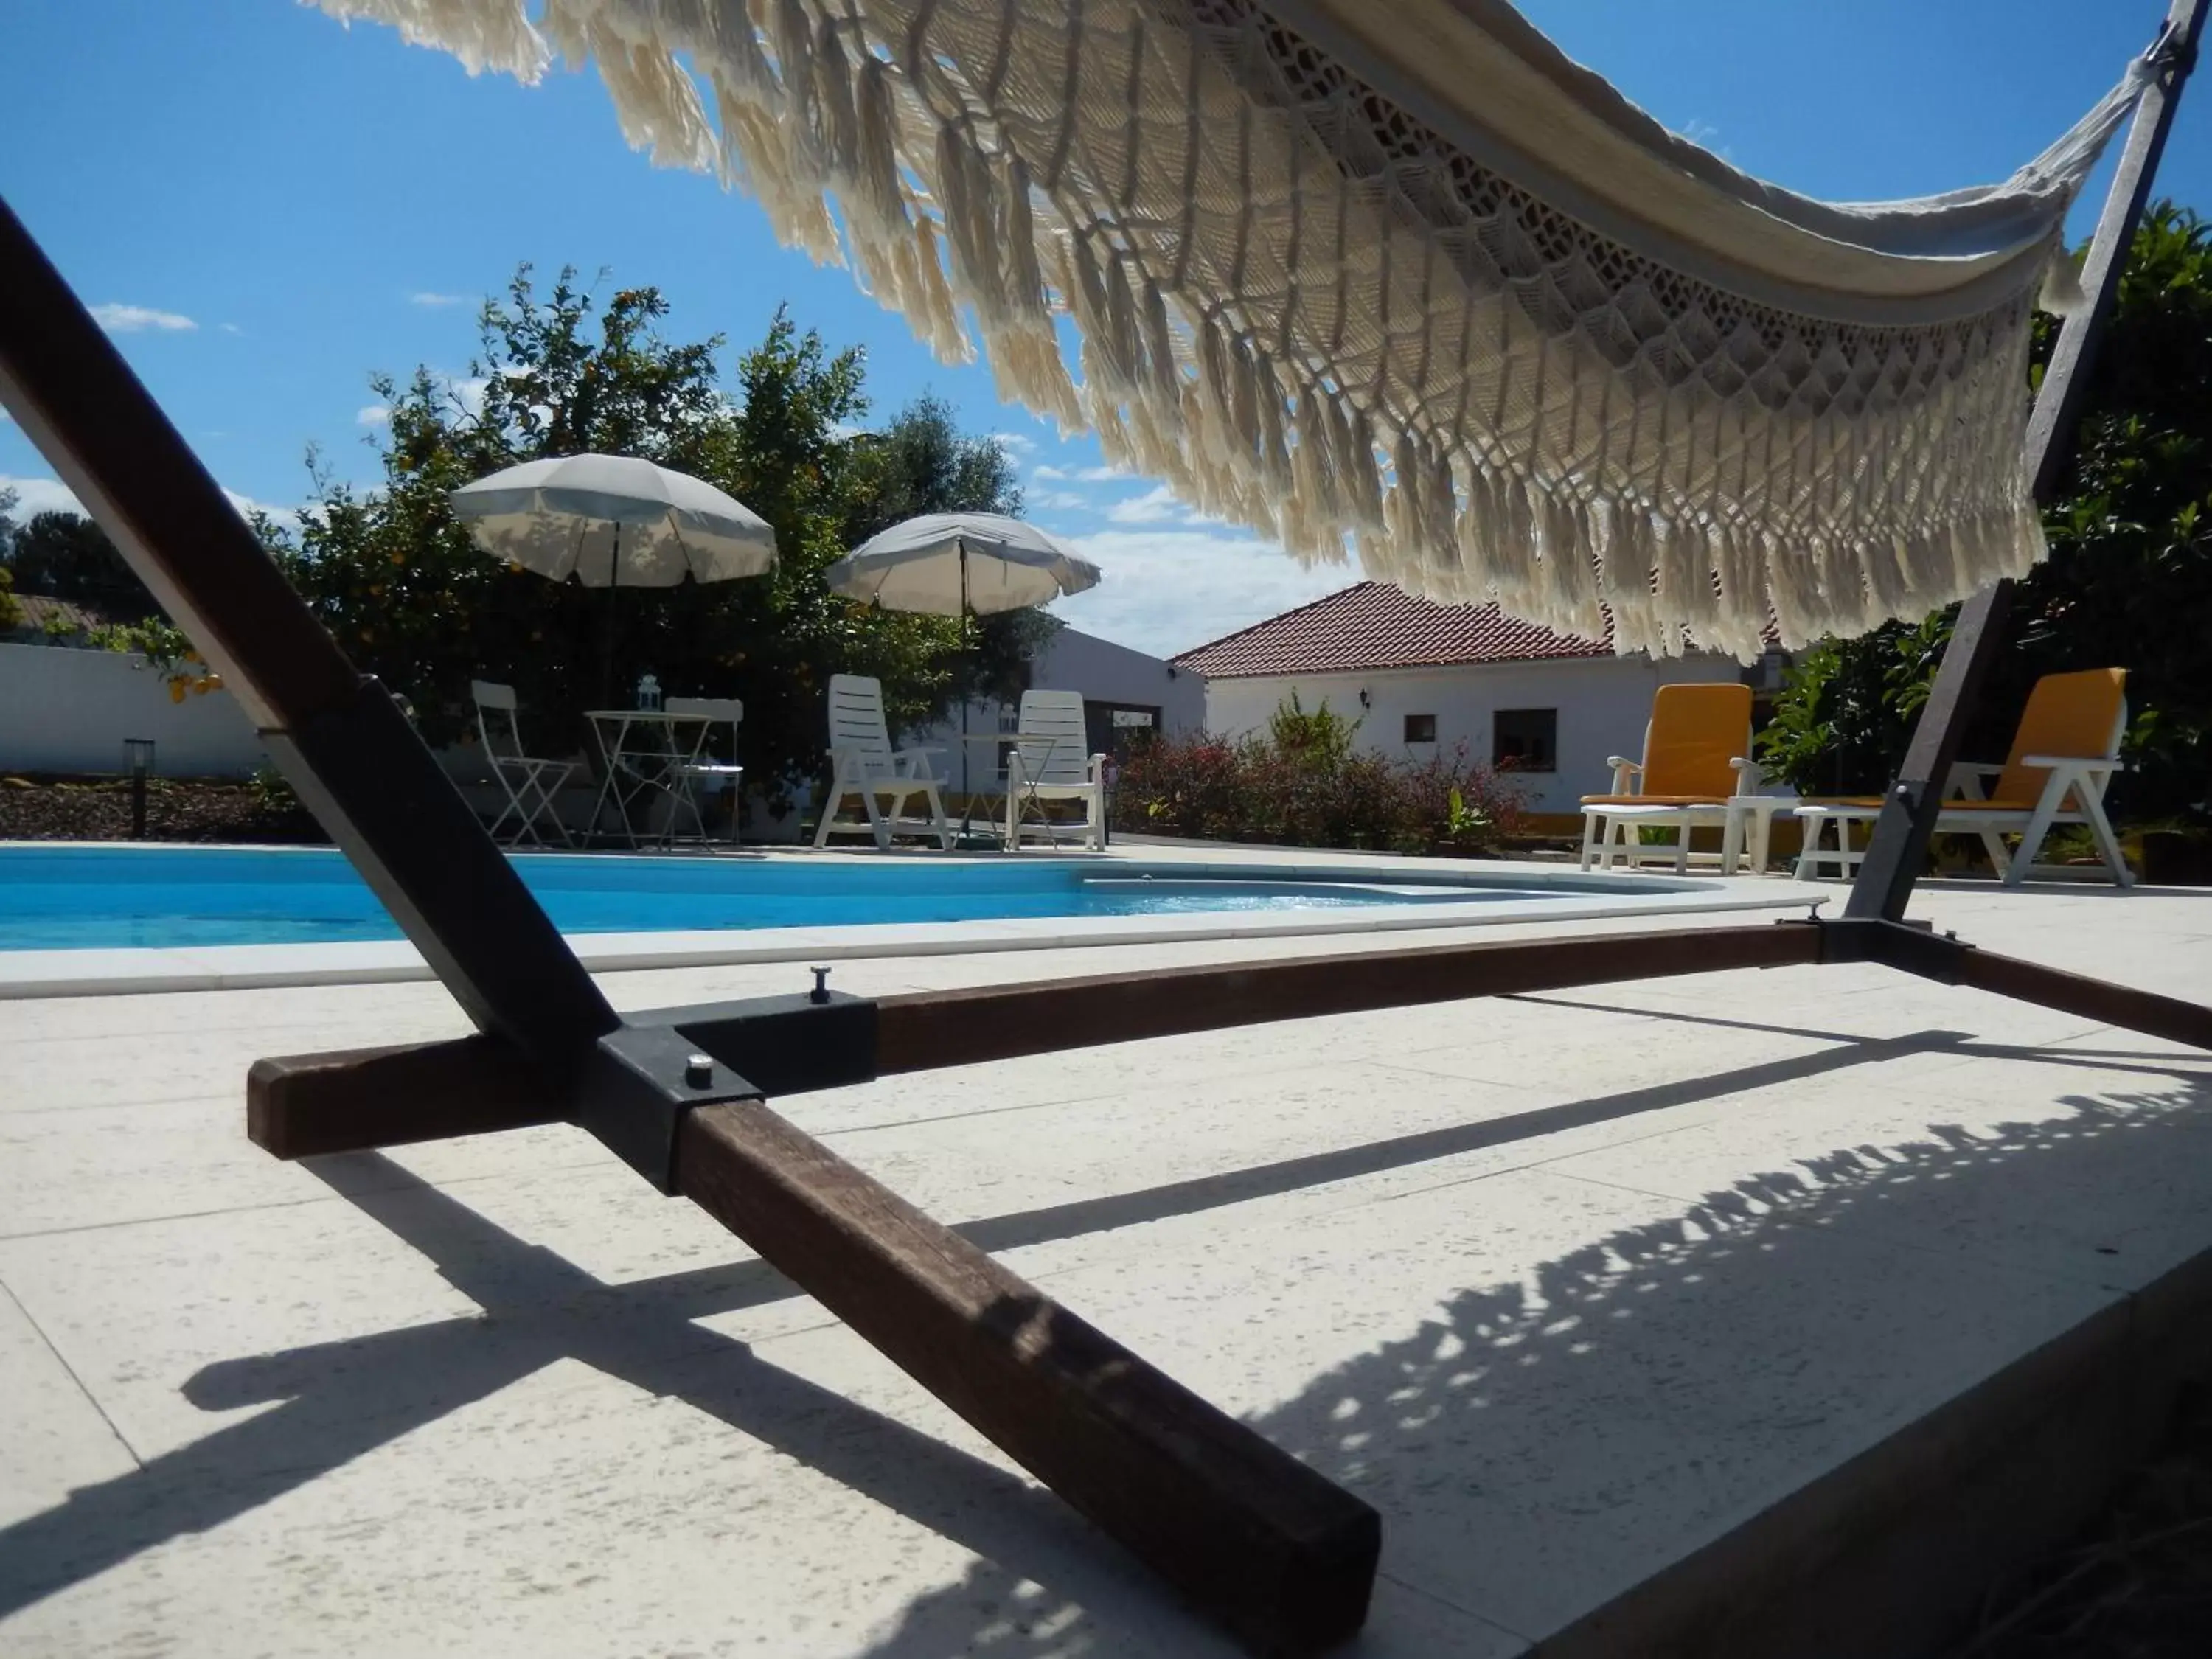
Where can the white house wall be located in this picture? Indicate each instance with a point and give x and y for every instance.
(1602, 703)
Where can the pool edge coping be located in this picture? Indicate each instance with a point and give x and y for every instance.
(131, 971)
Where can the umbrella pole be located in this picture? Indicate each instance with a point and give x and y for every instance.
(607, 623)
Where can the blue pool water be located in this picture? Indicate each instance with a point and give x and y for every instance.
(86, 897)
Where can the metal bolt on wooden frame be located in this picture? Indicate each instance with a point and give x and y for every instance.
(1274, 1550)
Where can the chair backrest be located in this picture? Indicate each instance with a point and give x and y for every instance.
(1053, 740)
(492, 698)
(716, 710)
(856, 719)
(1695, 732)
(2082, 714)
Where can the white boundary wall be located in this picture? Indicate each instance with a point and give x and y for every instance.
(64, 709)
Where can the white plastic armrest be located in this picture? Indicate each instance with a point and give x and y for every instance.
(1098, 769)
(1622, 766)
(2082, 762)
(1749, 779)
(1967, 778)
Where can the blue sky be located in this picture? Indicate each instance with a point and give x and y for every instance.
(273, 206)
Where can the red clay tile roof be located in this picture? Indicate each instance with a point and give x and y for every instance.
(1375, 625)
(40, 609)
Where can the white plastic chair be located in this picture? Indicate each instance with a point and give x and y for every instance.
(1696, 774)
(1047, 763)
(2063, 755)
(530, 782)
(711, 775)
(862, 762)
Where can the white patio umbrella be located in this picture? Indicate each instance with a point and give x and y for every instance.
(614, 522)
(962, 564)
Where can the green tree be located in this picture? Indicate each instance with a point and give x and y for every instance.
(11, 614)
(66, 556)
(922, 463)
(398, 581)
(2128, 582)
(1845, 713)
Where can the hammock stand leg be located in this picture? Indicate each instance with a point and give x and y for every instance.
(1899, 848)
(1274, 1550)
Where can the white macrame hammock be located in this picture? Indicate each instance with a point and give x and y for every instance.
(1400, 272)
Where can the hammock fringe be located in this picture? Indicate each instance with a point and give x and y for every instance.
(1602, 463)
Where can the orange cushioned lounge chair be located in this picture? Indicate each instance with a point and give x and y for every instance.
(1696, 772)
(2063, 759)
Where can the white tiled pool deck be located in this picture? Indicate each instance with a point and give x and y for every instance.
(1567, 1285)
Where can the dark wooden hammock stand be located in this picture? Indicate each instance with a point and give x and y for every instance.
(1277, 1551)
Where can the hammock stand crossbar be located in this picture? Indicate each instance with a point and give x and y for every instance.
(1277, 1553)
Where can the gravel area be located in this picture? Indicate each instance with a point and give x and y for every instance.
(50, 808)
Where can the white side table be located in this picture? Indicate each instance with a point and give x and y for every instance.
(1815, 819)
(1749, 827)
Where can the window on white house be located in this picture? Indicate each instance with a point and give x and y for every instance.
(1525, 739)
(1420, 728)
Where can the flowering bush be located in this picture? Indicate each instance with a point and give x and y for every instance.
(1303, 785)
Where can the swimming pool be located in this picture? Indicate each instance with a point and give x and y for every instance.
(139, 897)
(103, 920)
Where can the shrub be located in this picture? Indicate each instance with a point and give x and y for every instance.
(1303, 785)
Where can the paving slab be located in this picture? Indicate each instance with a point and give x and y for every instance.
(1573, 1287)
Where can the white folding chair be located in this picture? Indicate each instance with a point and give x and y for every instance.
(1049, 763)
(862, 762)
(710, 775)
(529, 782)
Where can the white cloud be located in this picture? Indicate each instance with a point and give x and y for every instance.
(41, 495)
(230, 328)
(1158, 505)
(468, 390)
(1063, 500)
(1051, 474)
(1167, 590)
(428, 299)
(53, 495)
(372, 414)
(1019, 442)
(135, 319)
(288, 517)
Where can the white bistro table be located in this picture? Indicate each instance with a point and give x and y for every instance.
(646, 755)
(1040, 748)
